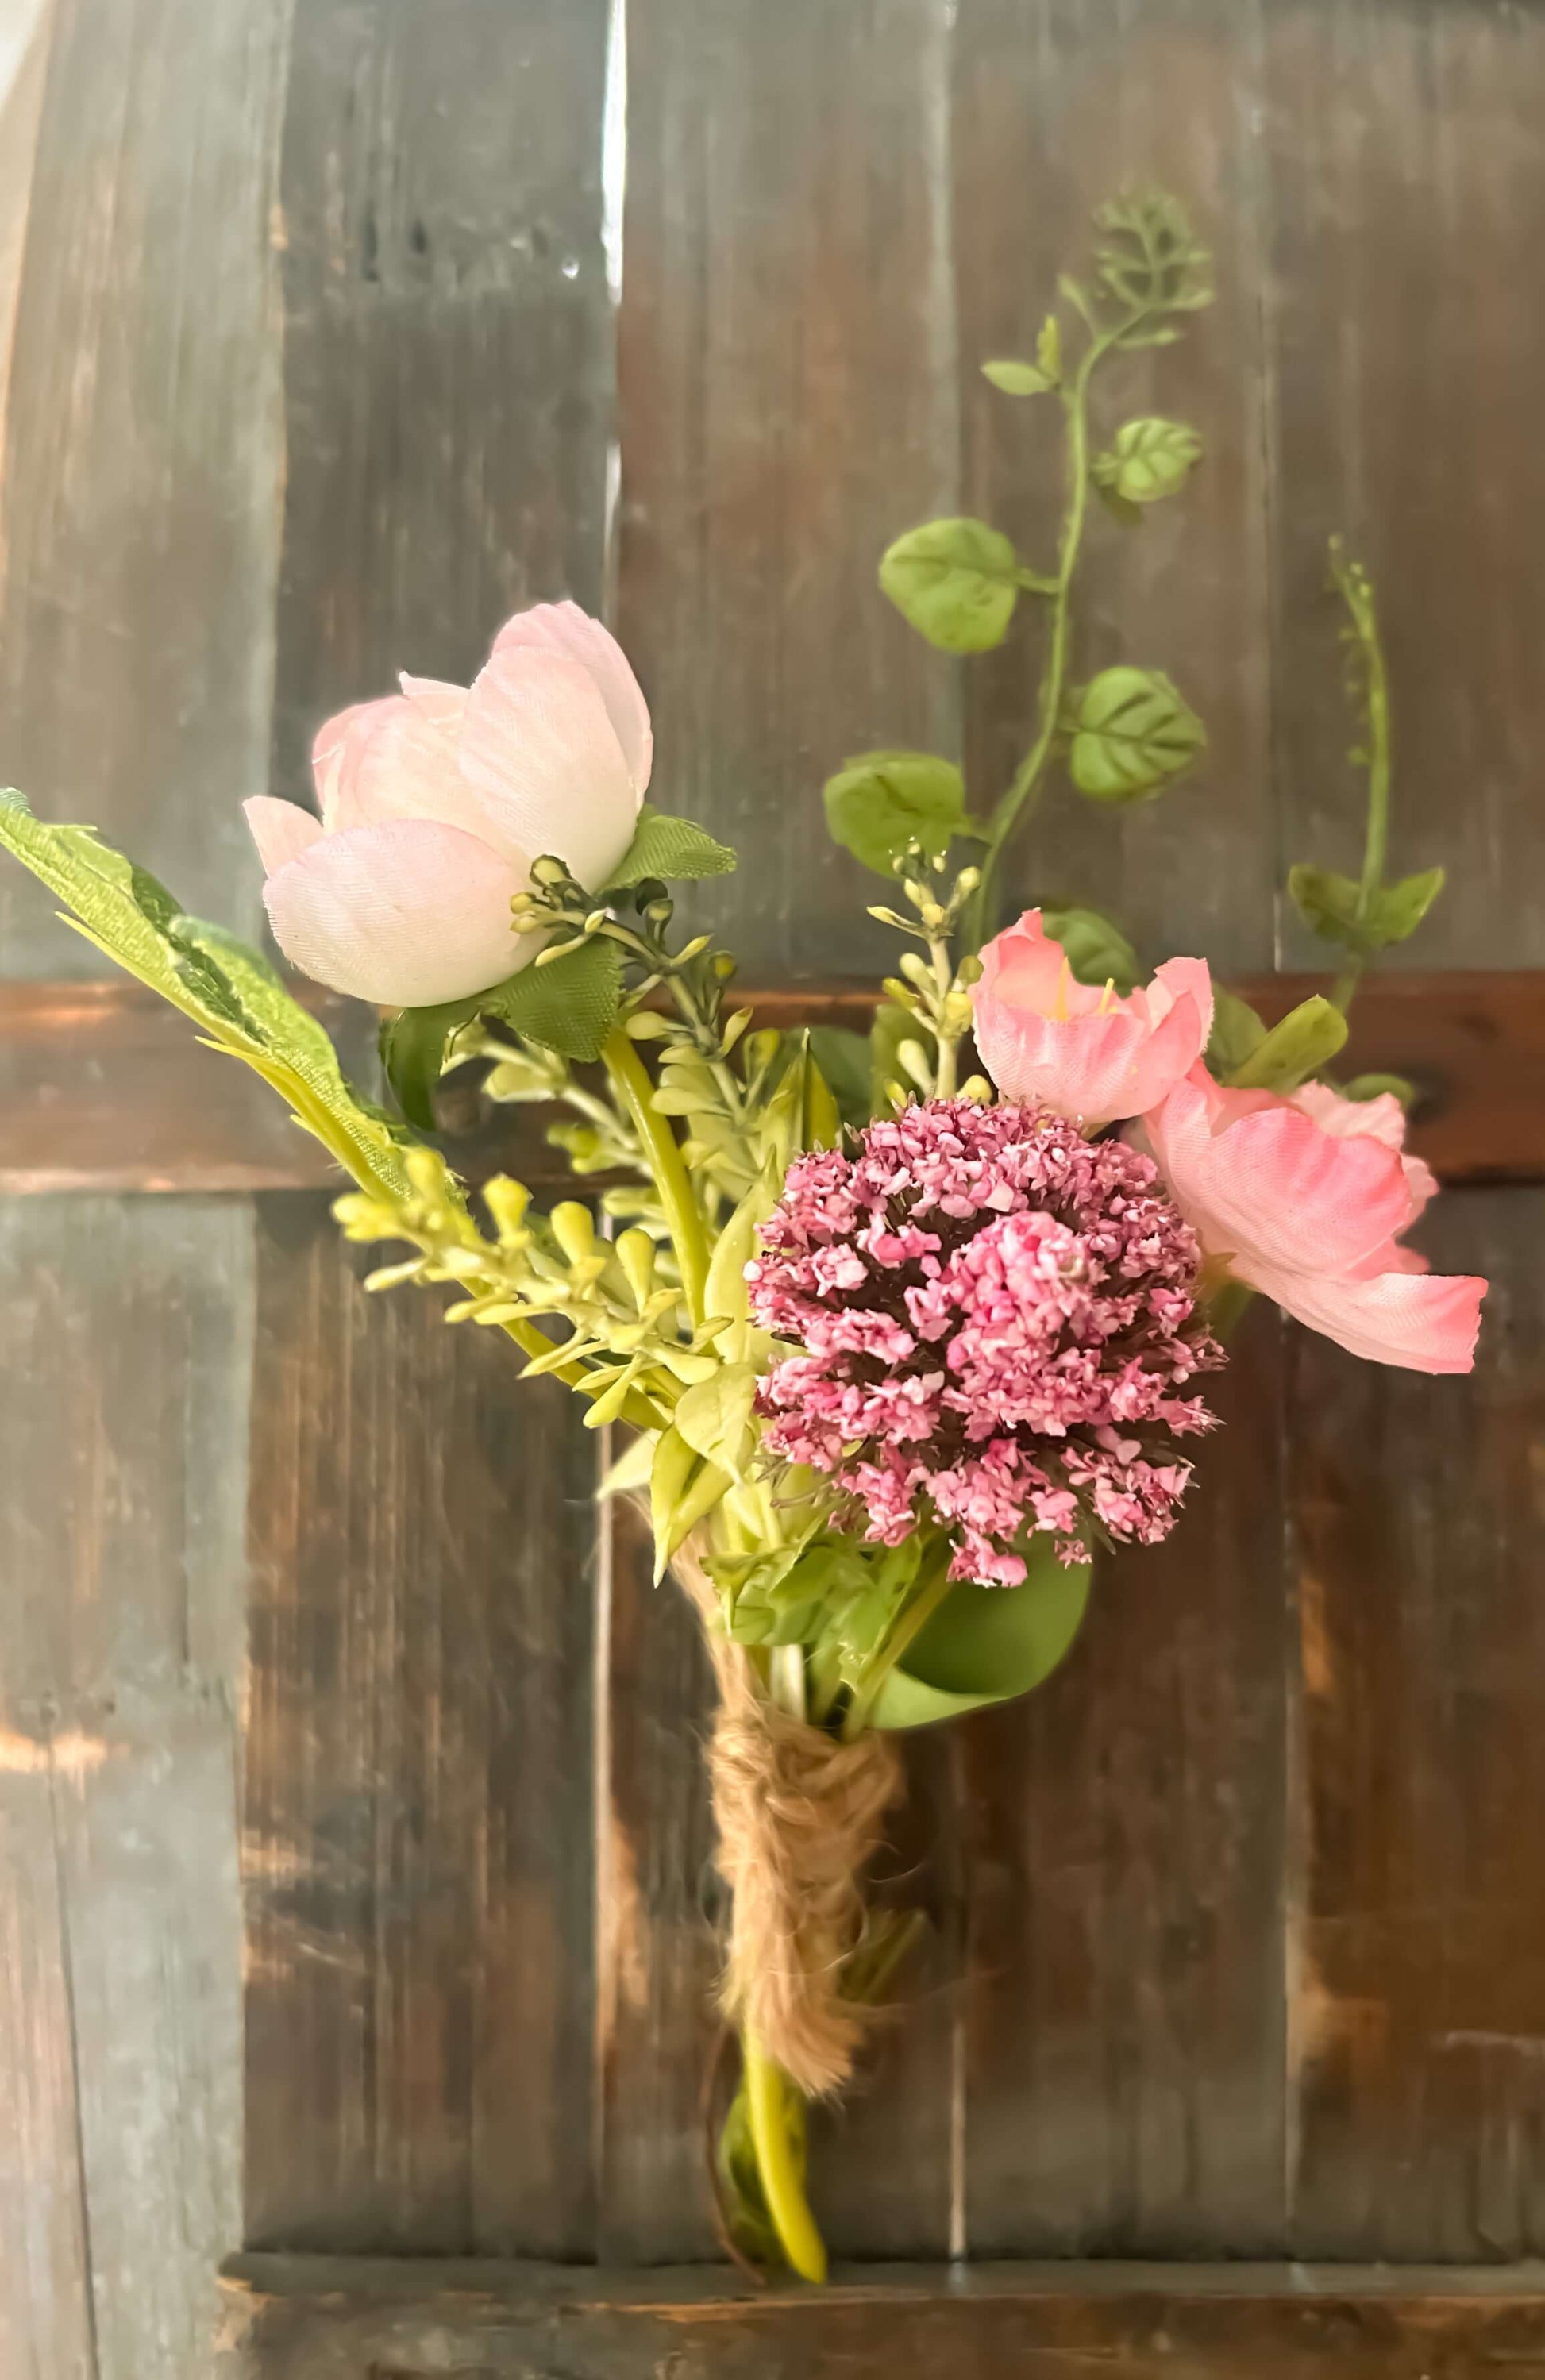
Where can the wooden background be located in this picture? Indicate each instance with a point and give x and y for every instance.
(352, 1837)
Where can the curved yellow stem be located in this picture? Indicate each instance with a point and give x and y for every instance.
(782, 2184)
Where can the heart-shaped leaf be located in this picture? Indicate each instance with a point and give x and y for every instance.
(880, 802)
(1147, 460)
(956, 581)
(1132, 735)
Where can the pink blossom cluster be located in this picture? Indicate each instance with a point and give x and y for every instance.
(996, 1316)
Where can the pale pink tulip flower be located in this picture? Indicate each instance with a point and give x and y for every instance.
(1087, 1054)
(434, 803)
(1304, 1198)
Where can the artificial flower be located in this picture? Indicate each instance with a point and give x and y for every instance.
(1091, 1055)
(1304, 1198)
(997, 1319)
(434, 803)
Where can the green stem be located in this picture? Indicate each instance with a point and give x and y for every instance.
(768, 2091)
(1358, 595)
(946, 1072)
(1024, 789)
(631, 1081)
(935, 1585)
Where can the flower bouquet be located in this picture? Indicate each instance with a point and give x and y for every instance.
(889, 1338)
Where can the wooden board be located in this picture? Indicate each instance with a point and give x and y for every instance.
(417, 1824)
(314, 2319)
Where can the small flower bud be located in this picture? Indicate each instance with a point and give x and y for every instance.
(573, 1229)
(695, 949)
(968, 879)
(724, 966)
(916, 968)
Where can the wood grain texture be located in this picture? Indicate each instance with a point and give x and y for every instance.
(1124, 1832)
(447, 340)
(1418, 1974)
(142, 452)
(418, 1888)
(786, 359)
(1407, 207)
(299, 2319)
(122, 1403)
(1060, 104)
(102, 1087)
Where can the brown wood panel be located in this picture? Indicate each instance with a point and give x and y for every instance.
(415, 1847)
(1419, 1942)
(447, 340)
(787, 371)
(142, 453)
(419, 1768)
(103, 1087)
(122, 1410)
(1407, 206)
(1123, 1847)
(1123, 1828)
(302, 2319)
(1058, 105)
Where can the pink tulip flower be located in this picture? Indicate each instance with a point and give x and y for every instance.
(434, 803)
(1303, 1199)
(1089, 1055)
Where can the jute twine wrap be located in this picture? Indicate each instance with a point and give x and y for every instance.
(798, 1816)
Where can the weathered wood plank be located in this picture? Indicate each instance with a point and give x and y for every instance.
(787, 393)
(1060, 104)
(302, 2319)
(122, 1407)
(103, 1087)
(417, 1774)
(447, 340)
(1125, 2027)
(1124, 1854)
(1419, 1949)
(786, 386)
(142, 452)
(1407, 206)
(418, 1770)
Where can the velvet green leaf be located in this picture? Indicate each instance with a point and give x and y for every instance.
(956, 581)
(1132, 735)
(570, 1005)
(671, 848)
(987, 1643)
(880, 802)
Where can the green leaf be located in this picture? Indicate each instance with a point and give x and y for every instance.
(669, 847)
(1048, 348)
(1375, 1087)
(987, 1643)
(1132, 735)
(629, 1474)
(1398, 909)
(412, 1046)
(1149, 459)
(570, 1005)
(880, 802)
(715, 1417)
(743, 2206)
(1097, 952)
(956, 581)
(1018, 379)
(1330, 903)
(1308, 1038)
(844, 1059)
(229, 991)
(1237, 1033)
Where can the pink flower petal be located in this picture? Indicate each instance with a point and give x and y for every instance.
(1264, 1183)
(538, 744)
(282, 830)
(1174, 982)
(1084, 1053)
(1382, 1119)
(406, 914)
(1425, 1322)
(564, 628)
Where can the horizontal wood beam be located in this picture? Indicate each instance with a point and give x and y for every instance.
(103, 1087)
(323, 2318)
